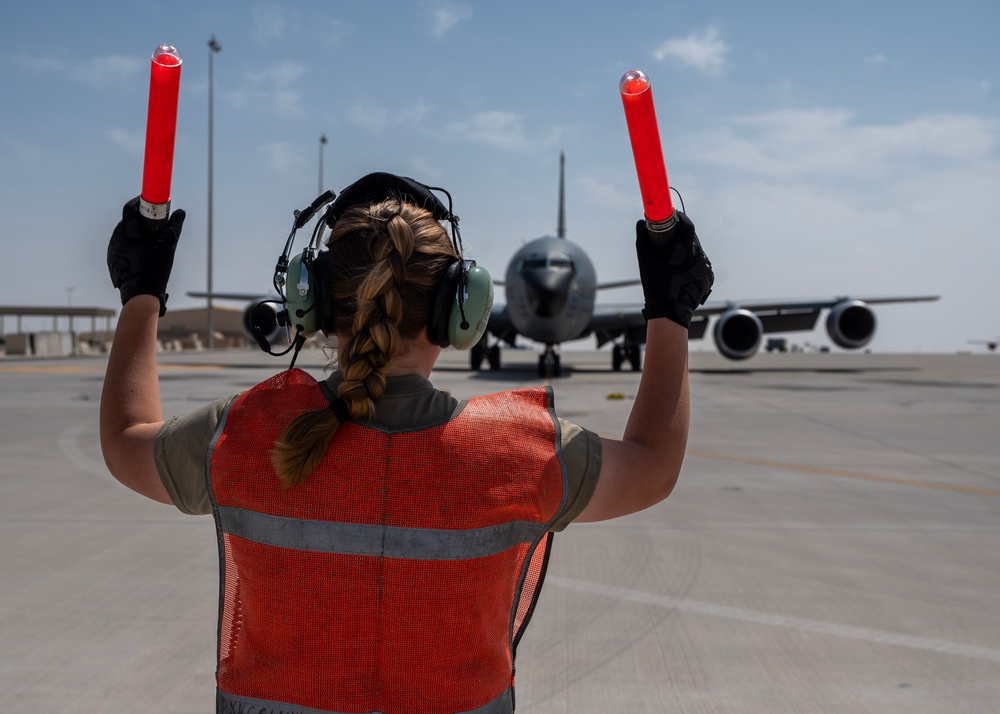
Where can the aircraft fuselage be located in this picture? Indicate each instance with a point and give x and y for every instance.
(550, 286)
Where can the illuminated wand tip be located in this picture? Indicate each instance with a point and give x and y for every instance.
(167, 56)
(634, 82)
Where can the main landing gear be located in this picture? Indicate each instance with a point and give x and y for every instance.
(480, 351)
(626, 352)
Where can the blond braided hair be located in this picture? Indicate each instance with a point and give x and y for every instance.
(385, 263)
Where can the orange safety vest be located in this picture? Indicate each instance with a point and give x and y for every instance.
(400, 575)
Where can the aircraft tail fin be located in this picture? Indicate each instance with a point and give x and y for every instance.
(561, 227)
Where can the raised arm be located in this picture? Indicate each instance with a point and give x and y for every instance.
(140, 256)
(641, 468)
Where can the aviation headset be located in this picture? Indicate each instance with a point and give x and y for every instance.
(463, 299)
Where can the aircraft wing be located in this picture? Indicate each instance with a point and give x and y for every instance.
(611, 321)
(500, 324)
(717, 307)
(617, 317)
(232, 296)
(628, 316)
(850, 322)
(607, 321)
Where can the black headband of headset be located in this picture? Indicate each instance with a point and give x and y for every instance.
(379, 186)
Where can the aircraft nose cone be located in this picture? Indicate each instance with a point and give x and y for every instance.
(547, 292)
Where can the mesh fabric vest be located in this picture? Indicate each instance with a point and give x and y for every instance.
(399, 576)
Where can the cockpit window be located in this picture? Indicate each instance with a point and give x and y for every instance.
(560, 261)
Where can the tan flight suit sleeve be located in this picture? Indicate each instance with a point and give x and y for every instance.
(181, 451)
(581, 449)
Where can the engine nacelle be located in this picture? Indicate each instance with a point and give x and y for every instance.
(264, 320)
(737, 333)
(851, 324)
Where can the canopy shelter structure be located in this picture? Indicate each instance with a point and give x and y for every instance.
(71, 313)
(21, 311)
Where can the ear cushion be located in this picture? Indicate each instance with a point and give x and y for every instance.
(446, 326)
(324, 303)
(444, 300)
(380, 186)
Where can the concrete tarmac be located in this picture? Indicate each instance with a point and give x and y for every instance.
(833, 544)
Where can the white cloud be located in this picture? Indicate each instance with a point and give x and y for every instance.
(332, 31)
(96, 70)
(504, 130)
(446, 15)
(41, 63)
(705, 52)
(794, 143)
(132, 142)
(271, 90)
(269, 22)
(369, 115)
(376, 118)
(283, 159)
(876, 60)
(601, 192)
(414, 114)
(112, 68)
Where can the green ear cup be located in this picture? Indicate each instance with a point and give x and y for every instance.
(300, 294)
(477, 305)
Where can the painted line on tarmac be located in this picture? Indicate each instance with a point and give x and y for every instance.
(847, 474)
(69, 445)
(26, 369)
(193, 367)
(66, 369)
(865, 634)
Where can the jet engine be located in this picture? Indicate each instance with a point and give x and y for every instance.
(737, 333)
(851, 324)
(264, 319)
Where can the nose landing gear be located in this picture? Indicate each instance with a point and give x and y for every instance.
(548, 363)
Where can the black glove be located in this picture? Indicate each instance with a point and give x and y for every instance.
(676, 274)
(141, 253)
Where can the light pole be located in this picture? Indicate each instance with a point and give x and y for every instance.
(72, 335)
(213, 47)
(322, 143)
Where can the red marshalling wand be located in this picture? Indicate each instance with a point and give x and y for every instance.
(640, 115)
(161, 130)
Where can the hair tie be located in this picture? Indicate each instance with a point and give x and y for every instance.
(339, 408)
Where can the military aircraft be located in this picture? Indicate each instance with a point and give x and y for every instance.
(551, 287)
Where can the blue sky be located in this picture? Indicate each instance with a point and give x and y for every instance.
(821, 148)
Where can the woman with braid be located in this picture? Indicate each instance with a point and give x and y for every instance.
(382, 544)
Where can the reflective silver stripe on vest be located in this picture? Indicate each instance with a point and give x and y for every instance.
(233, 704)
(386, 541)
